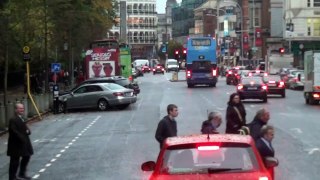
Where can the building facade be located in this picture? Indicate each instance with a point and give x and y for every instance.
(302, 27)
(141, 28)
(183, 19)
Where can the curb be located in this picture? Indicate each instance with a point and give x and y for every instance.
(29, 121)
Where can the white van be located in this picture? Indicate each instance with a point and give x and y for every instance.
(172, 65)
(139, 63)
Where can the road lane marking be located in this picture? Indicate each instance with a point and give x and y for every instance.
(36, 140)
(36, 176)
(313, 151)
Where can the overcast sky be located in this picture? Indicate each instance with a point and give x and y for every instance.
(161, 6)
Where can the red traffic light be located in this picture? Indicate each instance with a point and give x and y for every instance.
(176, 52)
(281, 50)
(184, 51)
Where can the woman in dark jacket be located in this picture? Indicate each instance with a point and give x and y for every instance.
(236, 114)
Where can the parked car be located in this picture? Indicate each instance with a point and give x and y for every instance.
(98, 95)
(275, 85)
(252, 88)
(114, 79)
(158, 69)
(212, 156)
(292, 73)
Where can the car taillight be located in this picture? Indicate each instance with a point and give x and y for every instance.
(118, 94)
(229, 72)
(214, 72)
(257, 71)
(162, 69)
(159, 67)
(208, 148)
(240, 86)
(272, 82)
(154, 69)
(265, 74)
(263, 178)
(281, 84)
(316, 95)
(188, 74)
(264, 87)
(250, 74)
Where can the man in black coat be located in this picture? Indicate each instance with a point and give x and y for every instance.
(19, 144)
(167, 127)
(262, 117)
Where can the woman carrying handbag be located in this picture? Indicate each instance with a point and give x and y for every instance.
(235, 116)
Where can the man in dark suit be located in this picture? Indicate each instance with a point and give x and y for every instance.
(264, 145)
(19, 144)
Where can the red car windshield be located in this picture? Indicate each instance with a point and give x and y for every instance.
(205, 159)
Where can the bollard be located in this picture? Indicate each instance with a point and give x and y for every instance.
(175, 76)
(10, 111)
(24, 101)
(2, 117)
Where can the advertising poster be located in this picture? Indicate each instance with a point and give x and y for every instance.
(101, 69)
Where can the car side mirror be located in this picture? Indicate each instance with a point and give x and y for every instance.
(148, 166)
(271, 162)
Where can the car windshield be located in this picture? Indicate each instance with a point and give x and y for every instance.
(250, 80)
(172, 63)
(271, 78)
(221, 159)
(123, 82)
(112, 86)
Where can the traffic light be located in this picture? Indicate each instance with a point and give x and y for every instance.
(176, 52)
(281, 50)
(184, 55)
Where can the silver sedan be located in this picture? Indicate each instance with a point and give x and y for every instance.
(100, 96)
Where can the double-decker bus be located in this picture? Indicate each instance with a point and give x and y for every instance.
(102, 59)
(201, 65)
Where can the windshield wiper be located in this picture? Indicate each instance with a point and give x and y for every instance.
(215, 170)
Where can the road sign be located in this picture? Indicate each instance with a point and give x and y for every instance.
(164, 49)
(26, 53)
(55, 67)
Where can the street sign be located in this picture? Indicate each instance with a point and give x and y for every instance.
(55, 67)
(164, 49)
(26, 53)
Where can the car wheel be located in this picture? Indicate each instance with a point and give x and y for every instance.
(61, 107)
(283, 94)
(102, 104)
(307, 100)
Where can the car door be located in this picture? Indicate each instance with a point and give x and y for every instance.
(76, 99)
(94, 93)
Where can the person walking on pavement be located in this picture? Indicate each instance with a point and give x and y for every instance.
(167, 127)
(210, 125)
(262, 117)
(19, 145)
(236, 115)
(264, 144)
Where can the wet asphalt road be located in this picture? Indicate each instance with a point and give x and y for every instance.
(113, 144)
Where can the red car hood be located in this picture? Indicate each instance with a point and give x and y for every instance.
(220, 176)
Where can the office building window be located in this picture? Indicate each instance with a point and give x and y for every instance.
(308, 3)
(309, 31)
(316, 3)
(316, 27)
